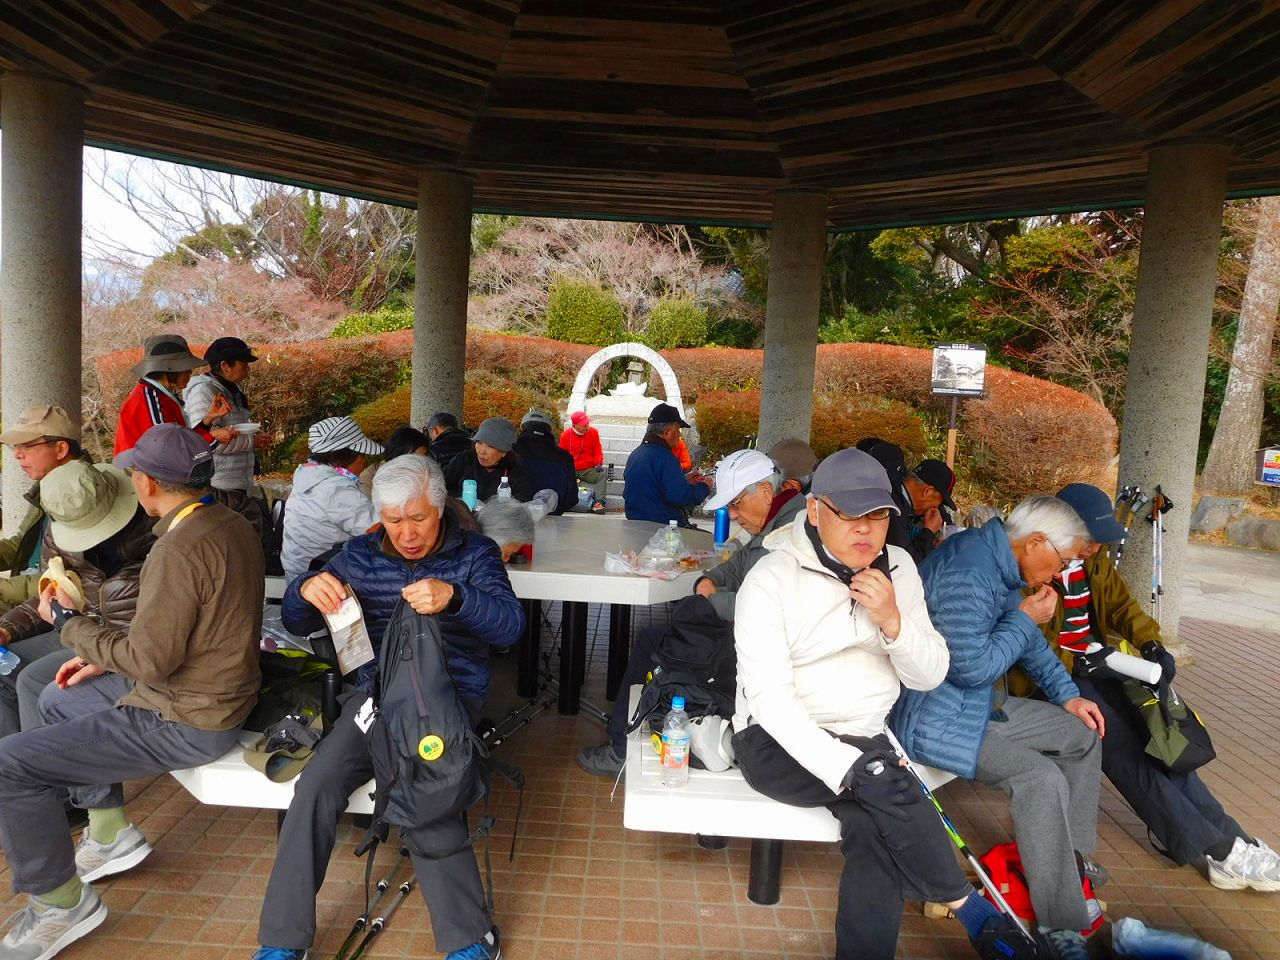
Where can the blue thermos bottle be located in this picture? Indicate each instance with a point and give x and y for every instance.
(722, 525)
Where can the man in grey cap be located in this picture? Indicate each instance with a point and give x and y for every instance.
(830, 626)
(654, 486)
(42, 438)
(181, 681)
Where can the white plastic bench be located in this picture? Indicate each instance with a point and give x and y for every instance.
(230, 782)
(723, 805)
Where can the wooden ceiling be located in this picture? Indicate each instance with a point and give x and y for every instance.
(682, 110)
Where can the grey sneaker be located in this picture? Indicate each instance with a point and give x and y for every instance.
(1095, 872)
(97, 860)
(1066, 944)
(601, 760)
(1247, 865)
(40, 931)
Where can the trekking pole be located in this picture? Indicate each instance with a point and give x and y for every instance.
(1124, 513)
(381, 921)
(363, 920)
(1001, 904)
(1160, 505)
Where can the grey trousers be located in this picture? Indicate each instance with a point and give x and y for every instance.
(451, 885)
(29, 651)
(32, 682)
(84, 750)
(1050, 765)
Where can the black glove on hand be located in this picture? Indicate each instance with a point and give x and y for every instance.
(876, 781)
(1094, 666)
(1154, 651)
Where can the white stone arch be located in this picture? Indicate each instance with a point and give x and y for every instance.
(578, 399)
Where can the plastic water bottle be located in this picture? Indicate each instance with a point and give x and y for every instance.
(469, 494)
(1133, 938)
(676, 735)
(9, 661)
(504, 489)
(675, 545)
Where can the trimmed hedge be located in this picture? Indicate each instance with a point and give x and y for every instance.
(382, 320)
(584, 313)
(483, 395)
(676, 323)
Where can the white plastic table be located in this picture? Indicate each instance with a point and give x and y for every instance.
(568, 565)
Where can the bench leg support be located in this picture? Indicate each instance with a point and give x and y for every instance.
(619, 647)
(765, 883)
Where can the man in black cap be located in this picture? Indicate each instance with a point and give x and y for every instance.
(654, 487)
(235, 445)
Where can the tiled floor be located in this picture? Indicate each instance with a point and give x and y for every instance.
(583, 887)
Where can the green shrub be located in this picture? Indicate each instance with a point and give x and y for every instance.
(584, 313)
(382, 320)
(676, 323)
(731, 331)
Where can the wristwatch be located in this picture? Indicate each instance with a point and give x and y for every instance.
(60, 613)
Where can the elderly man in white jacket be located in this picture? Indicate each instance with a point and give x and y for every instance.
(829, 627)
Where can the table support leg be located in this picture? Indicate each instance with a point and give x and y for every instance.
(530, 650)
(619, 647)
(765, 882)
(573, 655)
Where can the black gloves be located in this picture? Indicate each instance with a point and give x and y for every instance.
(1094, 666)
(1154, 651)
(877, 781)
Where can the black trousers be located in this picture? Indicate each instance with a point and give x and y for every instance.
(1179, 810)
(887, 861)
(644, 656)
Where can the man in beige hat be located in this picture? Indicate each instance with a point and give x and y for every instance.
(99, 535)
(163, 373)
(43, 437)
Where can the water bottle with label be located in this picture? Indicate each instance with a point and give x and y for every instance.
(469, 496)
(8, 661)
(674, 543)
(504, 489)
(676, 735)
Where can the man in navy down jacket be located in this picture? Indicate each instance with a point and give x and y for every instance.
(422, 557)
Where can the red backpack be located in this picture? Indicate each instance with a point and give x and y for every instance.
(1004, 865)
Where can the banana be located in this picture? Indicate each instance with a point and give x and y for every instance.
(68, 580)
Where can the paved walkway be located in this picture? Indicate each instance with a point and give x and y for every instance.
(581, 887)
(1233, 585)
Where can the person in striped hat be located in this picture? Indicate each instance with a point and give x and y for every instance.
(327, 506)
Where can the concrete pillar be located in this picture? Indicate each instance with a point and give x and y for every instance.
(43, 122)
(1177, 274)
(440, 293)
(797, 259)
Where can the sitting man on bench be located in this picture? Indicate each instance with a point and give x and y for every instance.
(184, 677)
(423, 557)
(829, 626)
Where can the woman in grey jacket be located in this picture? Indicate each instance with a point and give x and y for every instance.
(233, 452)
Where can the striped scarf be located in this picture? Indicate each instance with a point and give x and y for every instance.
(1077, 632)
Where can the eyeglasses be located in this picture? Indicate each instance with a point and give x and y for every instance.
(32, 444)
(881, 513)
(736, 502)
(1062, 561)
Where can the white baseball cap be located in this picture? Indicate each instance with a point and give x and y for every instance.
(738, 471)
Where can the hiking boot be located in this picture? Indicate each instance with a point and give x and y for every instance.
(487, 948)
(279, 953)
(97, 860)
(40, 931)
(1066, 944)
(1247, 865)
(601, 760)
(1091, 870)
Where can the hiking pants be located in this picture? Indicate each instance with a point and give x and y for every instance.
(94, 746)
(32, 683)
(451, 886)
(1179, 810)
(596, 478)
(886, 860)
(644, 655)
(29, 651)
(1049, 764)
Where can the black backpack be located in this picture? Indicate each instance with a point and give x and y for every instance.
(696, 660)
(428, 762)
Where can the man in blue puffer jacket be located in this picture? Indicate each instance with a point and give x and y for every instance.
(1044, 756)
(423, 558)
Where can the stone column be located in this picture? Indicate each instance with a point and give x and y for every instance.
(797, 258)
(1177, 274)
(440, 294)
(43, 121)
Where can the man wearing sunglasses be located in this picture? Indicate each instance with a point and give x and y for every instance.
(43, 437)
(830, 626)
(1046, 756)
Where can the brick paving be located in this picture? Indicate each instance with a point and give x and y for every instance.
(583, 887)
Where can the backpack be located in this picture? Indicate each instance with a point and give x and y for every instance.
(1003, 864)
(1177, 738)
(696, 660)
(427, 759)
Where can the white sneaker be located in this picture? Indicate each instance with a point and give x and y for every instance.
(1256, 867)
(41, 931)
(97, 860)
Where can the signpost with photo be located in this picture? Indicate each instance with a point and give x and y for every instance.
(959, 370)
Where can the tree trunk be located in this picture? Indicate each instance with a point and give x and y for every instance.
(1230, 465)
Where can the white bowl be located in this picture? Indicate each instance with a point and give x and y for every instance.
(246, 427)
